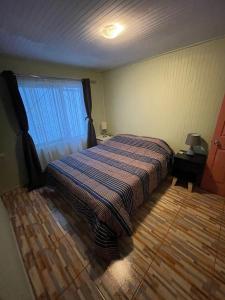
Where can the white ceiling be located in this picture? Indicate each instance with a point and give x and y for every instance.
(68, 31)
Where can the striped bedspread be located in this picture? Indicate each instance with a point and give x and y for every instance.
(108, 182)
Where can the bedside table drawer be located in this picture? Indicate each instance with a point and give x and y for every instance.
(186, 166)
(185, 176)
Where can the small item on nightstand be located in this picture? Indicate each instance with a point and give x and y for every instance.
(104, 128)
(188, 168)
(181, 151)
(193, 139)
(103, 138)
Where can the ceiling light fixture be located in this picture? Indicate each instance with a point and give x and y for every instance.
(111, 31)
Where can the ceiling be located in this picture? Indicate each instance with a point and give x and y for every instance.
(69, 31)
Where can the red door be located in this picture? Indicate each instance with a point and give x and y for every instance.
(214, 174)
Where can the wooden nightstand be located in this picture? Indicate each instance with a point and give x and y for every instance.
(188, 168)
(102, 138)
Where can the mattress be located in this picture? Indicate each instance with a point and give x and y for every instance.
(107, 183)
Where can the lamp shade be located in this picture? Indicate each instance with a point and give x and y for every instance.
(103, 125)
(193, 139)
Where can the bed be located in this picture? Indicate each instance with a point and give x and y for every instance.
(107, 183)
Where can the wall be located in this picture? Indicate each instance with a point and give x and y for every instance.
(14, 283)
(12, 169)
(168, 96)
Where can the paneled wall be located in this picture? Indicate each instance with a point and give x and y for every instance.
(170, 95)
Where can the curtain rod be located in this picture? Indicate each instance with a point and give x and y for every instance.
(50, 77)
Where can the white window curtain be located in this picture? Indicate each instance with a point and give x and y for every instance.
(56, 115)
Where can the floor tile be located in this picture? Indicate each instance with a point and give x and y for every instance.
(220, 259)
(82, 288)
(220, 268)
(118, 280)
(169, 278)
(191, 247)
(208, 204)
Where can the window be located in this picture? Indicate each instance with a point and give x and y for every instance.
(56, 115)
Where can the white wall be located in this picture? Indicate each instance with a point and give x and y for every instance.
(168, 96)
(14, 283)
(12, 168)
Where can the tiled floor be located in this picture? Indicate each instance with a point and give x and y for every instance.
(177, 250)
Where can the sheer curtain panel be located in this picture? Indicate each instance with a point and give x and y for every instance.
(56, 113)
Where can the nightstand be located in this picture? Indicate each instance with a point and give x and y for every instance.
(188, 168)
(103, 138)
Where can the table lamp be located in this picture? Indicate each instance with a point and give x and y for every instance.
(193, 139)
